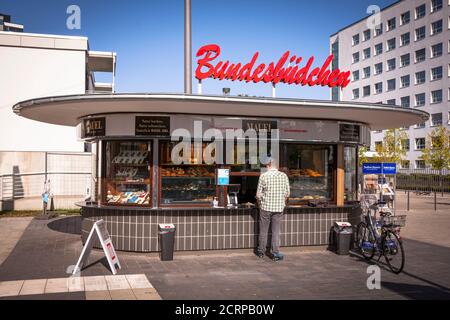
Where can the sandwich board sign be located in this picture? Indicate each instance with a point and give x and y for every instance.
(99, 229)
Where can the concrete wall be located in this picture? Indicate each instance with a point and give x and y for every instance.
(33, 72)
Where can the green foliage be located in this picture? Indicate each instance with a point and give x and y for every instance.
(391, 150)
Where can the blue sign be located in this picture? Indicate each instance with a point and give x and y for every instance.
(45, 197)
(379, 168)
(389, 168)
(223, 177)
(371, 168)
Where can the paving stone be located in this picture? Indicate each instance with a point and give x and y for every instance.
(146, 294)
(33, 287)
(95, 283)
(117, 282)
(98, 295)
(10, 288)
(122, 294)
(138, 281)
(57, 285)
(75, 284)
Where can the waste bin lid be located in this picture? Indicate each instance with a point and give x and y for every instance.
(342, 224)
(163, 226)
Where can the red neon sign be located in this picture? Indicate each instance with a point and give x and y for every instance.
(275, 73)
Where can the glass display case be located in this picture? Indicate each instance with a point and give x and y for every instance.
(310, 171)
(127, 177)
(192, 183)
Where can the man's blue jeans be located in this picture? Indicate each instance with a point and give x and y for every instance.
(265, 217)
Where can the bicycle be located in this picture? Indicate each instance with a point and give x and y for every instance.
(382, 236)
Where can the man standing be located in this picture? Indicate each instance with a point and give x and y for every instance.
(272, 193)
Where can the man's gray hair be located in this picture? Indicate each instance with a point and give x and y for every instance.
(272, 162)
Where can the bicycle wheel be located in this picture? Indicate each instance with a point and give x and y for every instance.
(393, 252)
(365, 241)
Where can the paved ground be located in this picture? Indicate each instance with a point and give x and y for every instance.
(11, 229)
(47, 249)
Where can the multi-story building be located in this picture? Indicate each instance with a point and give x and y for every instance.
(7, 25)
(404, 60)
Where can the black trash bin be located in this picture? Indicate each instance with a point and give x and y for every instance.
(167, 240)
(342, 232)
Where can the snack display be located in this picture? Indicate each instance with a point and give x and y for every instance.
(139, 197)
(192, 171)
(304, 172)
(131, 157)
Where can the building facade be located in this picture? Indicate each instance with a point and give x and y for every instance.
(405, 61)
(7, 25)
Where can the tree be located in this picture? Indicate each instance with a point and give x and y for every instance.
(362, 155)
(437, 149)
(392, 149)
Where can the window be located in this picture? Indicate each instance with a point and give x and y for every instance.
(405, 164)
(366, 72)
(127, 173)
(366, 91)
(350, 175)
(436, 73)
(404, 81)
(420, 143)
(404, 39)
(391, 85)
(405, 60)
(378, 68)
(391, 64)
(379, 30)
(391, 102)
(355, 39)
(420, 33)
(366, 53)
(356, 57)
(436, 119)
(436, 96)
(378, 145)
(391, 44)
(405, 144)
(420, 11)
(420, 99)
(420, 77)
(420, 125)
(436, 5)
(405, 17)
(436, 50)
(405, 102)
(366, 35)
(355, 75)
(378, 49)
(420, 55)
(390, 24)
(355, 93)
(436, 27)
(420, 164)
(378, 87)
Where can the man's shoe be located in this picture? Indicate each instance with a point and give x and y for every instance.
(277, 256)
(259, 253)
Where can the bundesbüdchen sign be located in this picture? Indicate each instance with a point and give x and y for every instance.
(293, 73)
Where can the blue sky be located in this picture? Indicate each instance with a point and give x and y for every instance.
(148, 35)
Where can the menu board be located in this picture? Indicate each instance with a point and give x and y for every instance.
(152, 126)
(93, 127)
(349, 132)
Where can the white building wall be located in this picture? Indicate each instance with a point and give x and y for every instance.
(29, 73)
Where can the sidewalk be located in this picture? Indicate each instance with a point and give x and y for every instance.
(47, 248)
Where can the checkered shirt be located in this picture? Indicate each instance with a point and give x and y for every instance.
(273, 189)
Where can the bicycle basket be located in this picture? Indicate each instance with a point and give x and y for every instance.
(397, 221)
(366, 200)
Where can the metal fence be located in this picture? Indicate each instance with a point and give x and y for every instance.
(70, 181)
(428, 180)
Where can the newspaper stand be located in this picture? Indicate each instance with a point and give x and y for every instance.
(380, 178)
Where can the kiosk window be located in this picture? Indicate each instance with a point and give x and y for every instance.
(310, 171)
